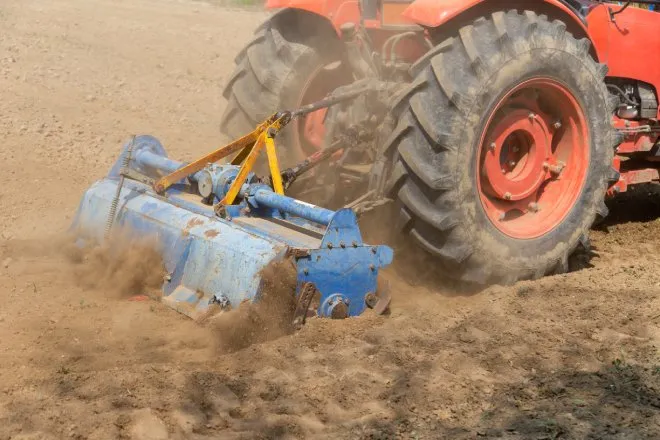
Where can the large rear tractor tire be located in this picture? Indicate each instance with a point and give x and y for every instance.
(290, 62)
(503, 149)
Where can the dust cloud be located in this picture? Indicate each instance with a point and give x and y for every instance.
(124, 267)
(570, 356)
(269, 318)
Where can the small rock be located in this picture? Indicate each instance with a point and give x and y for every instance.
(7, 262)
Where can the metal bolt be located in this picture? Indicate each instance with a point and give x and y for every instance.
(343, 246)
(373, 250)
(507, 196)
(371, 300)
(512, 164)
(167, 277)
(557, 125)
(533, 207)
(354, 243)
(532, 116)
(329, 245)
(306, 271)
(502, 216)
(556, 169)
(492, 146)
(503, 171)
(372, 267)
(546, 166)
(221, 300)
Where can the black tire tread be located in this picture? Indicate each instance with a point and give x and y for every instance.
(432, 113)
(255, 90)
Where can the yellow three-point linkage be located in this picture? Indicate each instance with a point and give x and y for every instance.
(248, 148)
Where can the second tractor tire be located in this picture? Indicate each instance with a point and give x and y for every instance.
(271, 73)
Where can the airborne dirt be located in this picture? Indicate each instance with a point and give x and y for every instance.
(571, 356)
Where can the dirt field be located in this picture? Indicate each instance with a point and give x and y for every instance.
(571, 356)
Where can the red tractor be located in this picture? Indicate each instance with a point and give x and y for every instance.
(495, 127)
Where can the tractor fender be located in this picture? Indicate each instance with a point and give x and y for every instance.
(335, 12)
(434, 13)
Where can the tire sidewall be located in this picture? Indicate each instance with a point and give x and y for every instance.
(587, 88)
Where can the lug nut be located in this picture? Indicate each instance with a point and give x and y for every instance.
(492, 146)
(556, 169)
(533, 207)
(532, 116)
(502, 216)
(507, 196)
(557, 125)
(512, 164)
(371, 300)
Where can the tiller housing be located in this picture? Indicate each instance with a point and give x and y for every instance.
(216, 254)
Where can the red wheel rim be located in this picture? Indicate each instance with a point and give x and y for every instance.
(310, 130)
(533, 158)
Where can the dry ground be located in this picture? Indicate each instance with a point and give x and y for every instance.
(571, 356)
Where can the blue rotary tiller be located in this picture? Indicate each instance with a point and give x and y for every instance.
(219, 226)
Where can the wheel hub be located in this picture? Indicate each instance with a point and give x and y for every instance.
(533, 158)
(310, 130)
(314, 128)
(518, 149)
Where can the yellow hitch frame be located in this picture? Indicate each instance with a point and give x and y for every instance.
(248, 148)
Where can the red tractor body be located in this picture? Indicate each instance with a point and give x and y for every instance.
(628, 43)
(499, 126)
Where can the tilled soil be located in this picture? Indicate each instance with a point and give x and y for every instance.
(571, 356)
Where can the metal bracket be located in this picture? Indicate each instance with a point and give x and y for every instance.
(384, 298)
(138, 177)
(297, 253)
(307, 293)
